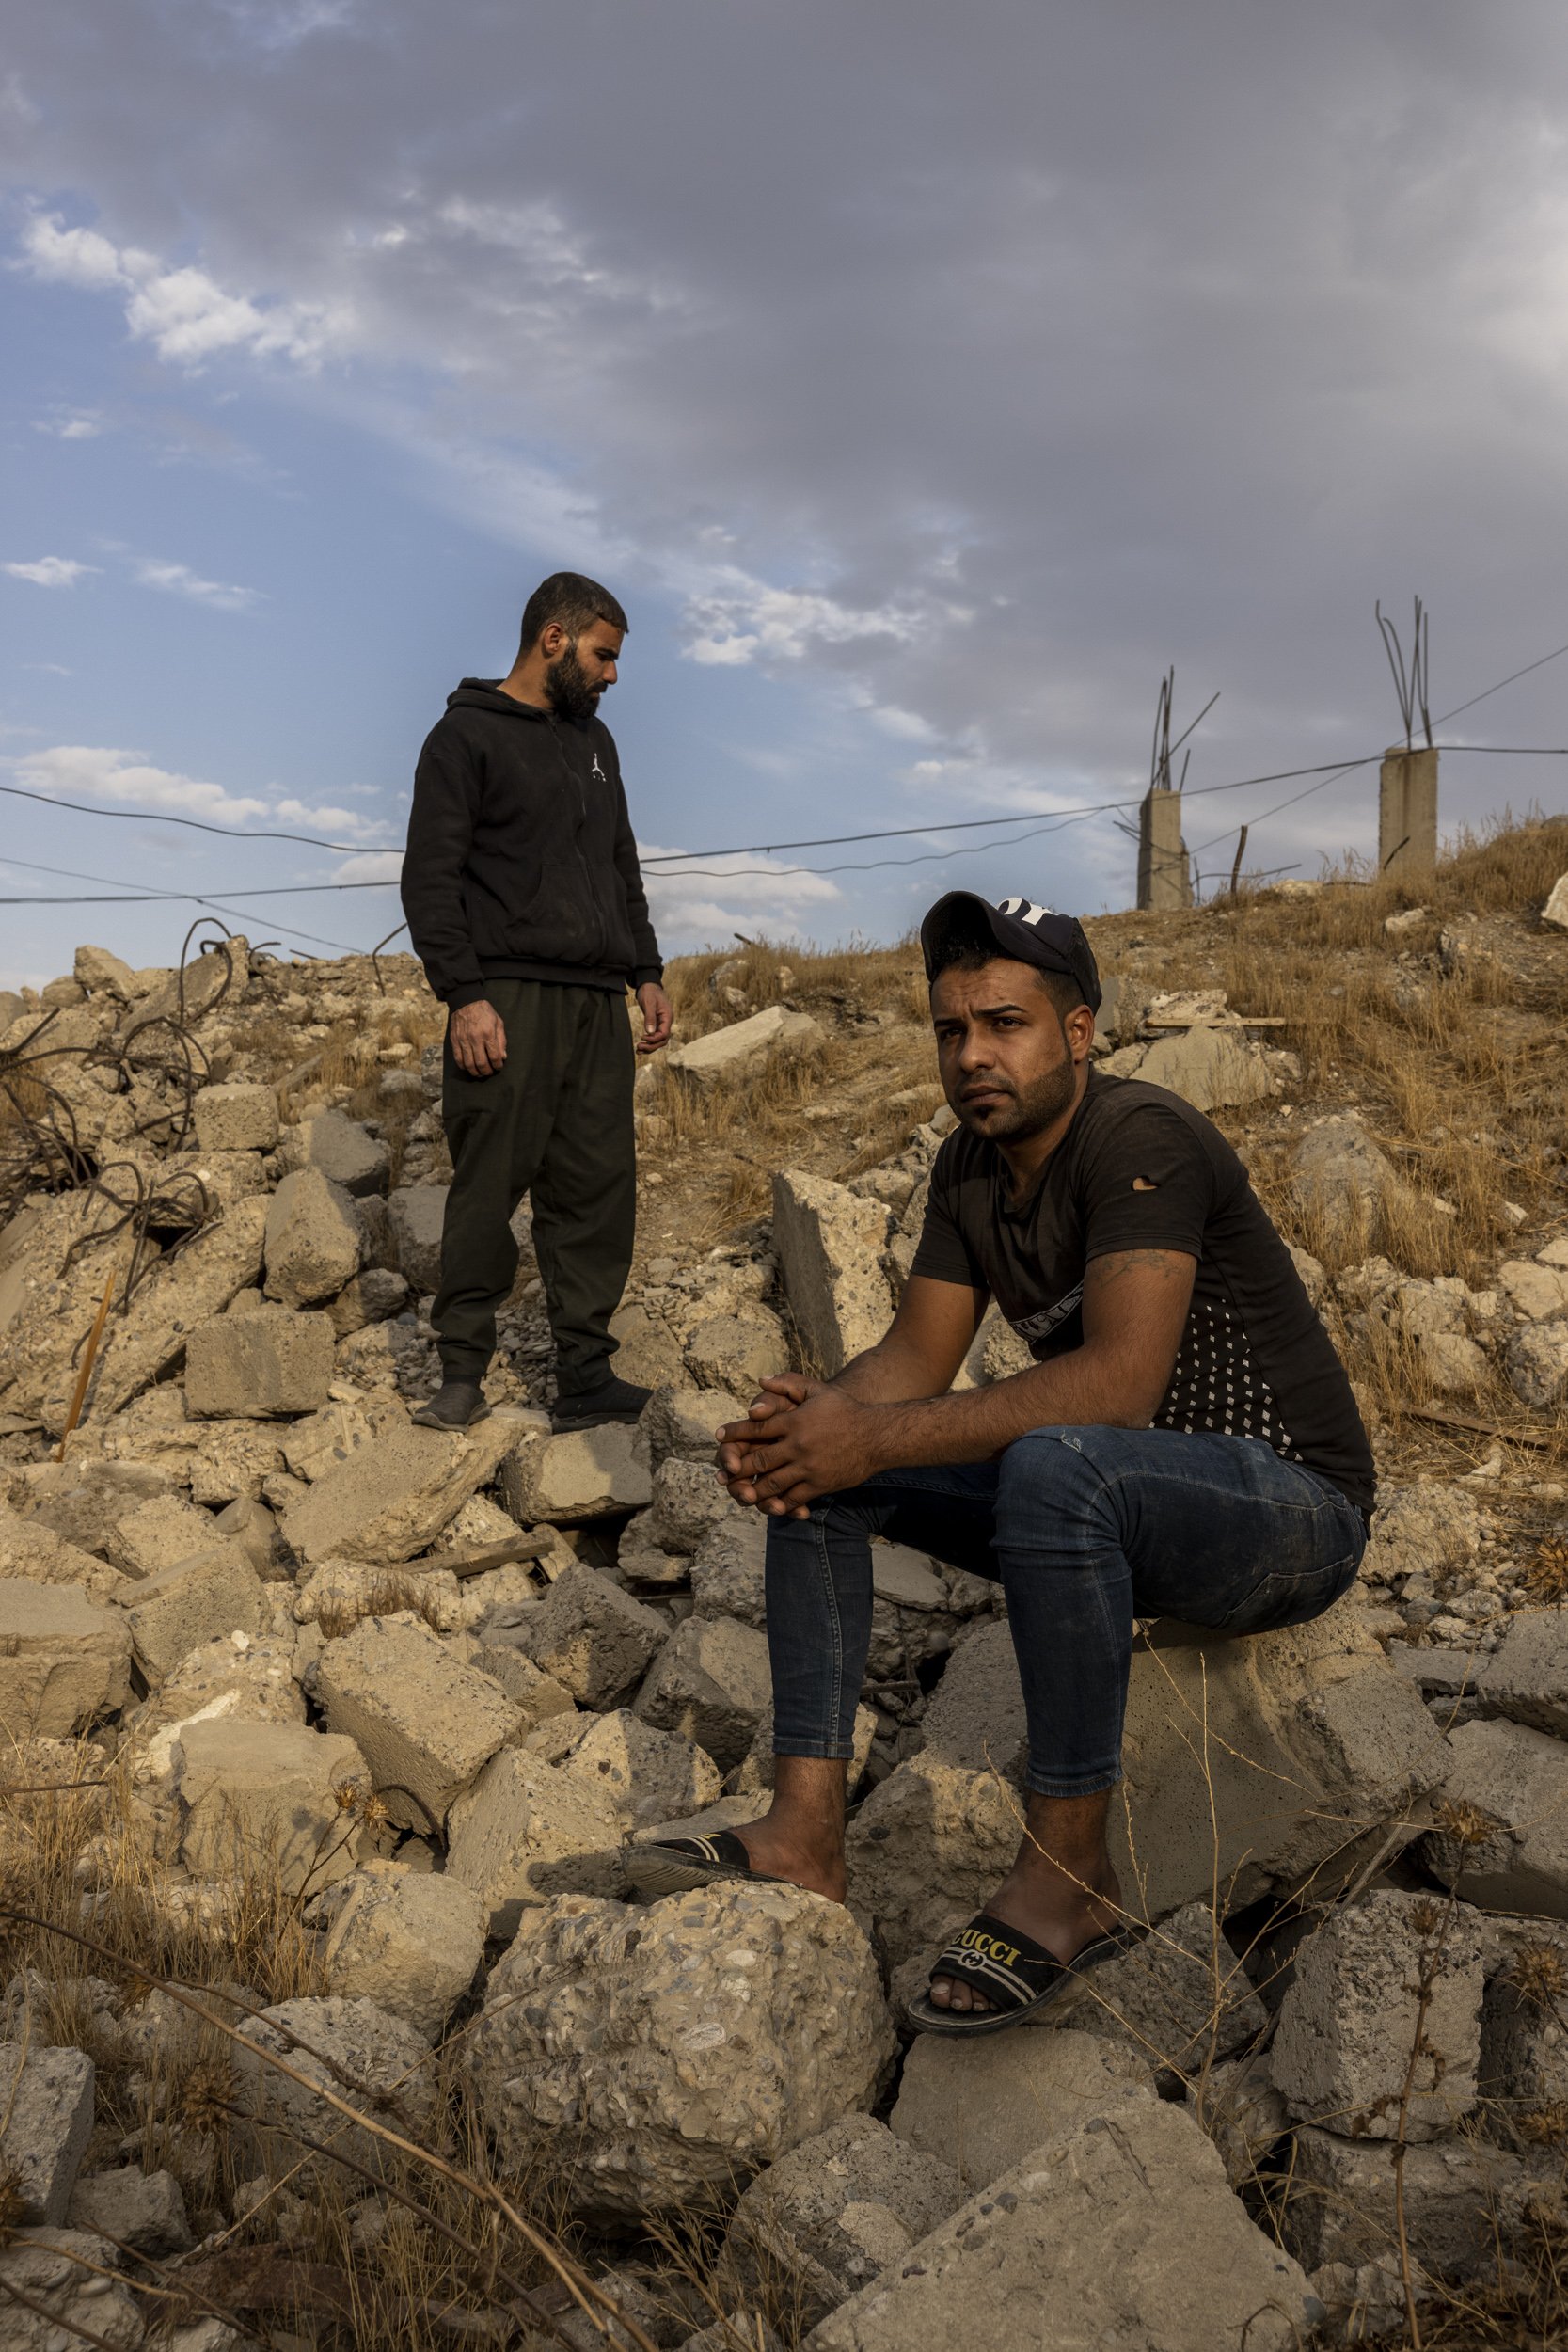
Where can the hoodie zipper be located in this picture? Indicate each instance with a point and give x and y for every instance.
(601, 943)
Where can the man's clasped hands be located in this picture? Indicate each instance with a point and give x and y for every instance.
(800, 1438)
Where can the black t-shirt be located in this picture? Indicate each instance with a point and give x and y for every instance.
(1255, 1361)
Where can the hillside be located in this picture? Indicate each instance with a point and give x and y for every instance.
(314, 1713)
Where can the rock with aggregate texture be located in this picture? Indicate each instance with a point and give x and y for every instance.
(268, 1364)
(1536, 1362)
(1212, 1068)
(1123, 2229)
(829, 1246)
(709, 1684)
(312, 1240)
(1524, 2034)
(1374, 1979)
(157, 1533)
(736, 1352)
(231, 1679)
(525, 1833)
(145, 2211)
(1462, 2195)
(98, 968)
(1526, 1678)
(1345, 1181)
(340, 1148)
(46, 2115)
(67, 2294)
(237, 1117)
(1243, 2113)
(65, 1662)
(1500, 1837)
(407, 1940)
(687, 1503)
(425, 1722)
(1180, 1998)
(683, 2046)
(647, 1775)
(744, 1047)
(583, 1474)
(418, 1215)
(375, 1296)
(833, 2213)
(538, 1697)
(392, 1497)
(30, 1549)
(592, 1638)
(683, 1423)
(984, 2104)
(376, 2062)
(262, 1800)
(338, 1593)
(215, 1592)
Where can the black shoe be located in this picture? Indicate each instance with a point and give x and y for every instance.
(613, 1400)
(456, 1404)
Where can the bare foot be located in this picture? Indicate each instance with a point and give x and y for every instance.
(780, 1849)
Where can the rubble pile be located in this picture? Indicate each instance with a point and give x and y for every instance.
(428, 1685)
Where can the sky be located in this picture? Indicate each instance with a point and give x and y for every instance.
(926, 382)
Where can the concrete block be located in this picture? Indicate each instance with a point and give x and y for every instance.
(312, 1245)
(1213, 1069)
(1501, 1814)
(260, 1800)
(260, 1366)
(374, 1297)
(982, 2105)
(30, 1549)
(410, 1943)
(689, 1501)
(384, 2059)
(97, 968)
(709, 1683)
(1460, 2196)
(424, 1723)
(525, 1833)
(647, 1775)
(586, 1475)
(1374, 1979)
(46, 2112)
(736, 1352)
(646, 1350)
(1407, 814)
(1555, 911)
(591, 1637)
(340, 1148)
(833, 2214)
(156, 1533)
(536, 1695)
(1536, 1362)
(1526, 1678)
(417, 1213)
(1535, 1291)
(391, 1498)
(829, 1244)
(216, 1591)
(1122, 2229)
(237, 1117)
(681, 1423)
(145, 2211)
(745, 1047)
(65, 1662)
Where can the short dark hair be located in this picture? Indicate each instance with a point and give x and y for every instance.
(573, 600)
(967, 943)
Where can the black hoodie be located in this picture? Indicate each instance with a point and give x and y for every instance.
(521, 863)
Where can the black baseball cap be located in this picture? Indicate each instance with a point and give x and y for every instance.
(1023, 932)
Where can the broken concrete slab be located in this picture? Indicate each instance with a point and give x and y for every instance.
(260, 1801)
(375, 1296)
(585, 1474)
(392, 1497)
(745, 1047)
(829, 1244)
(266, 1365)
(350, 2047)
(65, 1662)
(1385, 1977)
(409, 1942)
(215, 1592)
(1213, 1069)
(312, 1240)
(709, 1684)
(145, 2211)
(424, 1723)
(602, 2021)
(1500, 1837)
(525, 1833)
(1461, 2197)
(982, 2105)
(156, 1533)
(46, 2114)
(1526, 1678)
(681, 1424)
(237, 1117)
(418, 1215)
(647, 1775)
(1125, 2222)
(1346, 1182)
(536, 1695)
(592, 1638)
(736, 1352)
(341, 1149)
(232, 1678)
(29, 1547)
(832, 2215)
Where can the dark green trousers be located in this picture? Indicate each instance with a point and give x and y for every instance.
(554, 1122)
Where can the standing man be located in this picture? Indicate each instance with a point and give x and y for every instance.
(525, 903)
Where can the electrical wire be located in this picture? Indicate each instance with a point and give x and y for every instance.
(113, 898)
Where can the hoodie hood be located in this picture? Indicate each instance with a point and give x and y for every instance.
(484, 693)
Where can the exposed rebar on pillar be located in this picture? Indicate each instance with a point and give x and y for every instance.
(1408, 813)
(1165, 878)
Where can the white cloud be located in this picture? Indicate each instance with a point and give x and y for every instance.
(71, 425)
(51, 571)
(178, 580)
(741, 619)
(723, 895)
(87, 772)
(184, 313)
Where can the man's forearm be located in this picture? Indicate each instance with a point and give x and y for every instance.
(887, 1374)
(1080, 1388)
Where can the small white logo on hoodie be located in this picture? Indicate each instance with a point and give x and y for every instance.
(597, 771)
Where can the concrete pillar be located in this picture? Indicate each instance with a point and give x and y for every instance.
(1164, 877)
(1407, 814)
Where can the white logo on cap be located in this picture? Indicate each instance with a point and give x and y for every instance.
(1024, 909)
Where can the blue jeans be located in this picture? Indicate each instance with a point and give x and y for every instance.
(1085, 1530)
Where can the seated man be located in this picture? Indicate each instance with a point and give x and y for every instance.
(1186, 1444)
